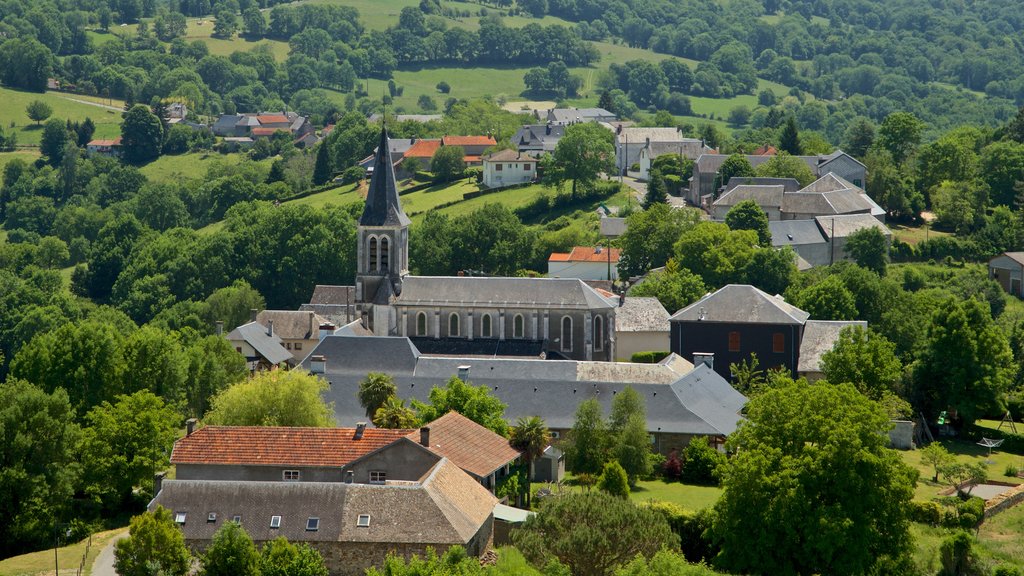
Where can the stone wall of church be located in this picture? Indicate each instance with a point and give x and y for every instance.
(515, 324)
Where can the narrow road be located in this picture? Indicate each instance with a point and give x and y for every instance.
(104, 563)
(97, 104)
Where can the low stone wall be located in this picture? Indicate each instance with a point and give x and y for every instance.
(1004, 501)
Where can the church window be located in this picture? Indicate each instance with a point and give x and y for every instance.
(566, 334)
(517, 326)
(598, 333)
(385, 256)
(453, 324)
(485, 326)
(421, 324)
(372, 254)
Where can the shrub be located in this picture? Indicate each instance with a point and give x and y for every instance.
(700, 462)
(672, 469)
(957, 556)
(1011, 471)
(691, 527)
(965, 514)
(649, 357)
(929, 513)
(353, 174)
(657, 464)
(443, 87)
(1007, 570)
(613, 480)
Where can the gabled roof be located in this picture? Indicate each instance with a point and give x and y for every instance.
(329, 294)
(468, 141)
(587, 254)
(843, 225)
(1017, 257)
(469, 445)
(291, 324)
(510, 292)
(267, 346)
(795, 232)
(639, 135)
(273, 119)
(819, 337)
(261, 131)
(744, 304)
(279, 445)
(382, 205)
(365, 355)
(423, 148)
(641, 314)
(509, 156)
(447, 507)
(764, 195)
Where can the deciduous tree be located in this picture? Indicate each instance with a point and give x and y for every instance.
(37, 111)
(142, 135)
(650, 236)
(587, 441)
(474, 402)
(154, 544)
(585, 151)
(869, 248)
(447, 163)
(275, 398)
(231, 553)
(747, 215)
(866, 359)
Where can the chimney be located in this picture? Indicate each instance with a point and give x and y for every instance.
(425, 436)
(270, 327)
(252, 314)
(190, 426)
(158, 482)
(360, 428)
(706, 358)
(317, 364)
(219, 327)
(464, 372)
(326, 329)
(622, 299)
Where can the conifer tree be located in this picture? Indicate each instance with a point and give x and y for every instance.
(789, 139)
(324, 168)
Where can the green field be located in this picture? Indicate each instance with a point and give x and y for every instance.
(108, 122)
(28, 155)
(686, 495)
(68, 558)
(190, 166)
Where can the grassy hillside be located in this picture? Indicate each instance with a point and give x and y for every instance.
(189, 166)
(65, 107)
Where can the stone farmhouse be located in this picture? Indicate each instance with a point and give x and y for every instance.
(261, 124)
(354, 494)
(830, 195)
(642, 145)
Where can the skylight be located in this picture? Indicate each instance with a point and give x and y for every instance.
(179, 517)
(312, 524)
(364, 521)
(275, 521)
(211, 517)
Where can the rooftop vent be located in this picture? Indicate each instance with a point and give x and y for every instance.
(360, 428)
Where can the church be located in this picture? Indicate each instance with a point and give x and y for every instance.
(465, 315)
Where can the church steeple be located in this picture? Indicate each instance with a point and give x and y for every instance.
(382, 205)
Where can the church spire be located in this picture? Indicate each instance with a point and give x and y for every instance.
(382, 205)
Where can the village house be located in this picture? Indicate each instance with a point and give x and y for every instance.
(727, 326)
(566, 116)
(1007, 270)
(830, 195)
(261, 125)
(634, 145)
(299, 331)
(538, 138)
(261, 348)
(111, 148)
(353, 494)
(508, 168)
(585, 263)
(642, 325)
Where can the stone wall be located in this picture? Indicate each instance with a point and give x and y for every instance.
(1004, 501)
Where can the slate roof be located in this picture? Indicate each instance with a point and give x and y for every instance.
(382, 206)
(788, 184)
(843, 225)
(688, 147)
(544, 136)
(819, 337)
(292, 324)
(825, 203)
(509, 156)
(764, 195)
(255, 335)
(329, 294)
(363, 355)
(571, 115)
(697, 402)
(641, 314)
(468, 445)
(741, 303)
(795, 232)
(1017, 257)
(509, 292)
(279, 445)
(447, 507)
(639, 135)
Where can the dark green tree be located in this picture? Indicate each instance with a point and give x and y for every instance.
(142, 135)
(531, 437)
(448, 163)
(701, 461)
(785, 165)
(231, 552)
(735, 165)
(747, 215)
(657, 192)
(592, 533)
(585, 151)
(587, 441)
(37, 111)
(869, 248)
(282, 558)
(154, 544)
(614, 480)
(900, 134)
(810, 475)
(323, 171)
(675, 287)
(789, 138)
(25, 63)
(859, 136)
(374, 390)
(474, 402)
(865, 359)
(828, 300)
(650, 236)
(54, 141)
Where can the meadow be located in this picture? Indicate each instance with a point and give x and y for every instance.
(65, 107)
(191, 166)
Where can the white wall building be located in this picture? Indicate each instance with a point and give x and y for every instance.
(585, 263)
(508, 167)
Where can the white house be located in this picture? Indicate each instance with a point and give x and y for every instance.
(508, 167)
(585, 263)
(641, 325)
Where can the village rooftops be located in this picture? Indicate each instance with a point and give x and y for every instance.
(467, 444)
(292, 324)
(510, 156)
(534, 293)
(641, 314)
(587, 254)
(280, 445)
(269, 346)
(820, 336)
(468, 141)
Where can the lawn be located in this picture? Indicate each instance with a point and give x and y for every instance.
(28, 156)
(108, 122)
(68, 557)
(341, 196)
(421, 201)
(967, 452)
(915, 234)
(998, 542)
(511, 199)
(685, 495)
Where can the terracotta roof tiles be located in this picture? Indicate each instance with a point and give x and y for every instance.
(468, 141)
(468, 445)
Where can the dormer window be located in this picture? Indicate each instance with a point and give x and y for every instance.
(291, 475)
(378, 476)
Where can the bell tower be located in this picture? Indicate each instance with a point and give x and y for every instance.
(383, 251)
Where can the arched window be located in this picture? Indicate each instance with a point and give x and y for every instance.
(598, 333)
(421, 324)
(453, 324)
(566, 334)
(485, 326)
(517, 326)
(372, 254)
(385, 253)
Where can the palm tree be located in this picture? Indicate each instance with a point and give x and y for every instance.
(530, 436)
(375, 390)
(393, 413)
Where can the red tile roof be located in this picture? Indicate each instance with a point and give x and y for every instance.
(469, 141)
(766, 151)
(423, 149)
(586, 254)
(279, 446)
(273, 119)
(114, 142)
(468, 445)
